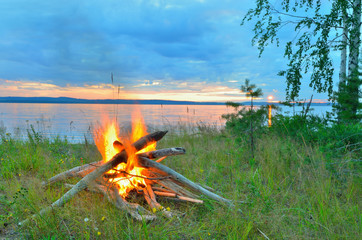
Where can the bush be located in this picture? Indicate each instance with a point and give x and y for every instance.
(309, 129)
(239, 122)
(317, 130)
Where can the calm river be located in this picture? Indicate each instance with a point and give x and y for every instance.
(76, 120)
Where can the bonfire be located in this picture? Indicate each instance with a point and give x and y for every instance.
(131, 164)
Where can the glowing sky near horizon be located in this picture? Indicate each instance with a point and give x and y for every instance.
(171, 50)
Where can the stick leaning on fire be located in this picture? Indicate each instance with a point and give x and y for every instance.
(170, 183)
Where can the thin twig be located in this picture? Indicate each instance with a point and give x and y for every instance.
(132, 175)
(264, 235)
(174, 195)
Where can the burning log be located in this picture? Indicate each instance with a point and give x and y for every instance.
(137, 171)
(81, 171)
(118, 146)
(117, 159)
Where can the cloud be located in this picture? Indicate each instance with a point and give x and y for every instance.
(148, 83)
(198, 92)
(148, 45)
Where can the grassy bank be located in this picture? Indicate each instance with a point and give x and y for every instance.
(295, 188)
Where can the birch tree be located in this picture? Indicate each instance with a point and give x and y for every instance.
(321, 27)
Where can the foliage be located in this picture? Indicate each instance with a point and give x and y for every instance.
(350, 93)
(300, 103)
(244, 119)
(239, 122)
(251, 90)
(346, 108)
(302, 127)
(318, 32)
(317, 130)
(233, 104)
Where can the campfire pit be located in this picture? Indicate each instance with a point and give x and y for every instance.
(128, 167)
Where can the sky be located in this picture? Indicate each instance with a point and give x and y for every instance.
(191, 50)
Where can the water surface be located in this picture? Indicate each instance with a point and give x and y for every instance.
(76, 120)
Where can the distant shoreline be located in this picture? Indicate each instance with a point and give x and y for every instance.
(65, 100)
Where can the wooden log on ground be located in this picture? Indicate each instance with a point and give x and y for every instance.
(134, 210)
(174, 195)
(168, 183)
(207, 187)
(124, 174)
(85, 172)
(163, 152)
(151, 200)
(145, 162)
(84, 182)
(161, 189)
(71, 173)
(149, 173)
(171, 185)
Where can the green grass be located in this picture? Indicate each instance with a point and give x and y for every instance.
(293, 189)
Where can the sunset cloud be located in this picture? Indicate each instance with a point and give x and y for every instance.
(153, 48)
(109, 91)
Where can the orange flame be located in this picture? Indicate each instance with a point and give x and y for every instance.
(139, 130)
(126, 179)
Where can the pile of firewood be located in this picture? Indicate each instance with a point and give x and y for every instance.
(161, 181)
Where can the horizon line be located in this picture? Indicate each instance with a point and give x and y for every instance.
(8, 99)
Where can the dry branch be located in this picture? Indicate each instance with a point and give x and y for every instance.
(82, 171)
(95, 178)
(163, 152)
(206, 187)
(176, 188)
(74, 172)
(145, 162)
(174, 195)
(161, 189)
(117, 159)
(134, 210)
(151, 200)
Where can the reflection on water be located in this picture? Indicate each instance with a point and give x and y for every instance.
(269, 115)
(76, 120)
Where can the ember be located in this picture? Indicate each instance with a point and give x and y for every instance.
(127, 166)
